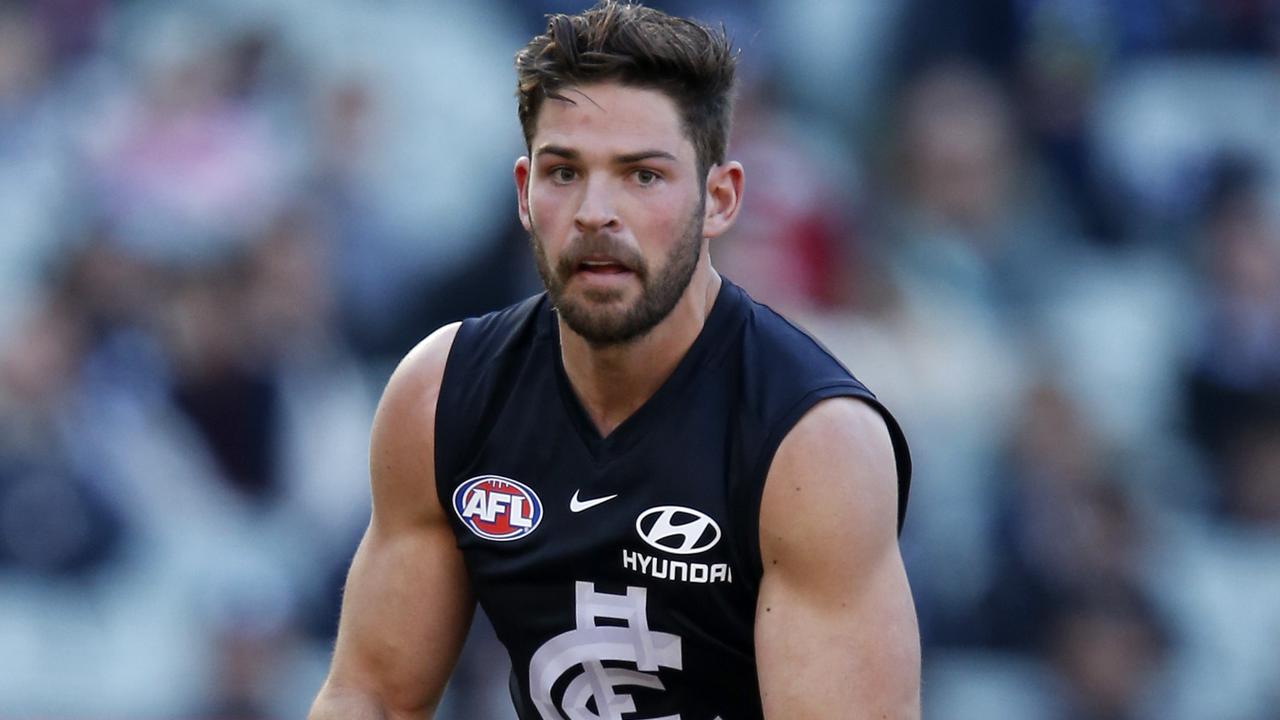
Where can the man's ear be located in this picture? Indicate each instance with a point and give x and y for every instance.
(724, 198)
(521, 175)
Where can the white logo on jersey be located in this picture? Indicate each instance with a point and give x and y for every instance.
(679, 530)
(590, 645)
(576, 505)
(677, 570)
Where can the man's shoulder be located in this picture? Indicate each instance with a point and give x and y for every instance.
(802, 394)
(518, 313)
(500, 330)
(402, 440)
(788, 355)
(419, 374)
(422, 371)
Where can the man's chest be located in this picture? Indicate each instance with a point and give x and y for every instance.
(613, 585)
(656, 513)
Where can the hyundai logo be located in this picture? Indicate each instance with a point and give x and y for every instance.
(678, 530)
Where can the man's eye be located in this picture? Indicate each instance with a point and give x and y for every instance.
(646, 177)
(563, 174)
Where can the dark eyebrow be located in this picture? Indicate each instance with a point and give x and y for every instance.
(563, 152)
(627, 159)
(643, 155)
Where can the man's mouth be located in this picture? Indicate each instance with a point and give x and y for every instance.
(604, 267)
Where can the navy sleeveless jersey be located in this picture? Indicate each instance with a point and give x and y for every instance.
(621, 573)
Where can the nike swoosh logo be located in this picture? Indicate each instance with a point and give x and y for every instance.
(576, 505)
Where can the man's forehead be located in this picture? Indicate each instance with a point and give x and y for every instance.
(612, 119)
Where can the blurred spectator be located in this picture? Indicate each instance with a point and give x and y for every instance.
(55, 518)
(370, 291)
(985, 32)
(1252, 481)
(34, 175)
(251, 639)
(222, 388)
(968, 218)
(1068, 48)
(1234, 384)
(1218, 582)
(288, 330)
(74, 27)
(1244, 27)
(1108, 650)
(1161, 126)
(189, 164)
(24, 57)
(113, 289)
(791, 244)
(1065, 529)
(964, 251)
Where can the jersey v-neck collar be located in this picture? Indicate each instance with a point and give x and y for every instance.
(635, 426)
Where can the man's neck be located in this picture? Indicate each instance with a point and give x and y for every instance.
(613, 382)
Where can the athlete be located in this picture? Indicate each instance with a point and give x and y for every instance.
(670, 502)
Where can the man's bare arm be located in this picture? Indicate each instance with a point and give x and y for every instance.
(407, 604)
(836, 633)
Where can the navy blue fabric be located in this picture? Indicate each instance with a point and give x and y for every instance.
(703, 442)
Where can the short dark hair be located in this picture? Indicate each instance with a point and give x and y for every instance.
(638, 46)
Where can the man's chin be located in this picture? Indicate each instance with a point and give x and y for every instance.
(602, 326)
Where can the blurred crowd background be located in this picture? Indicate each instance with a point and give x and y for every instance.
(1046, 232)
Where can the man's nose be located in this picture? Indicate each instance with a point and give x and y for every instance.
(597, 210)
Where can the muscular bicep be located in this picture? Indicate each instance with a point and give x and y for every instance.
(405, 614)
(836, 633)
(407, 603)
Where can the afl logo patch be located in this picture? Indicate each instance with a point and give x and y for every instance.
(497, 508)
(678, 530)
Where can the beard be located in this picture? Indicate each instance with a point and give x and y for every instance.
(597, 314)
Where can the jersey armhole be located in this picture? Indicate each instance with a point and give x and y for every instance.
(760, 473)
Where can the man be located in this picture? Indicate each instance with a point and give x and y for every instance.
(670, 502)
